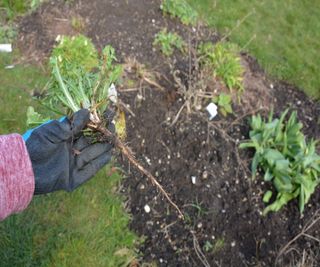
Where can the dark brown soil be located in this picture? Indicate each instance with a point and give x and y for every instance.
(223, 208)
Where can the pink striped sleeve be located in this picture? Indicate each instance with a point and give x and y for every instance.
(16, 175)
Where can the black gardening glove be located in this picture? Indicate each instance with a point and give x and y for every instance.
(62, 158)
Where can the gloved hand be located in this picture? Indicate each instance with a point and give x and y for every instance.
(62, 158)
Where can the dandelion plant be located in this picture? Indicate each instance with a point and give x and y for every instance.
(73, 87)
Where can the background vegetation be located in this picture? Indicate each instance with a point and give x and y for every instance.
(283, 35)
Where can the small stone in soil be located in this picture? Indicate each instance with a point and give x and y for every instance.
(205, 175)
(147, 208)
(193, 179)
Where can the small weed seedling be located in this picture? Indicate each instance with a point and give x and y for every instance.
(218, 245)
(207, 246)
(77, 23)
(224, 61)
(224, 102)
(180, 9)
(77, 83)
(168, 41)
(288, 161)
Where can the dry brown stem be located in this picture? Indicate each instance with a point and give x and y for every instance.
(125, 150)
(314, 220)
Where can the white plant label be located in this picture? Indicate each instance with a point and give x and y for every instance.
(7, 48)
(212, 109)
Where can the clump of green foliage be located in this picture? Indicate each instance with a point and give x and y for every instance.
(7, 33)
(79, 79)
(180, 9)
(287, 159)
(77, 51)
(224, 60)
(168, 41)
(224, 102)
(14, 8)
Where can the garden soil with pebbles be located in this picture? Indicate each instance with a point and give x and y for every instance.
(196, 160)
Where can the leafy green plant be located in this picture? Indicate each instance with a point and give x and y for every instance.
(224, 102)
(14, 8)
(287, 159)
(7, 33)
(73, 53)
(224, 60)
(180, 9)
(168, 41)
(74, 86)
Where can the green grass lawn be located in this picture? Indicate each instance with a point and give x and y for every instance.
(283, 35)
(87, 227)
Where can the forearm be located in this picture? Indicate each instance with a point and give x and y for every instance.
(16, 175)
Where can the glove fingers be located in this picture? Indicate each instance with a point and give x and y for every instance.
(89, 170)
(81, 143)
(79, 120)
(92, 152)
(58, 131)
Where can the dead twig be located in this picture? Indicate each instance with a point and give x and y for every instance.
(129, 90)
(126, 108)
(154, 83)
(165, 146)
(315, 219)
(198, 251)
(178, 114)
(125, 150)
